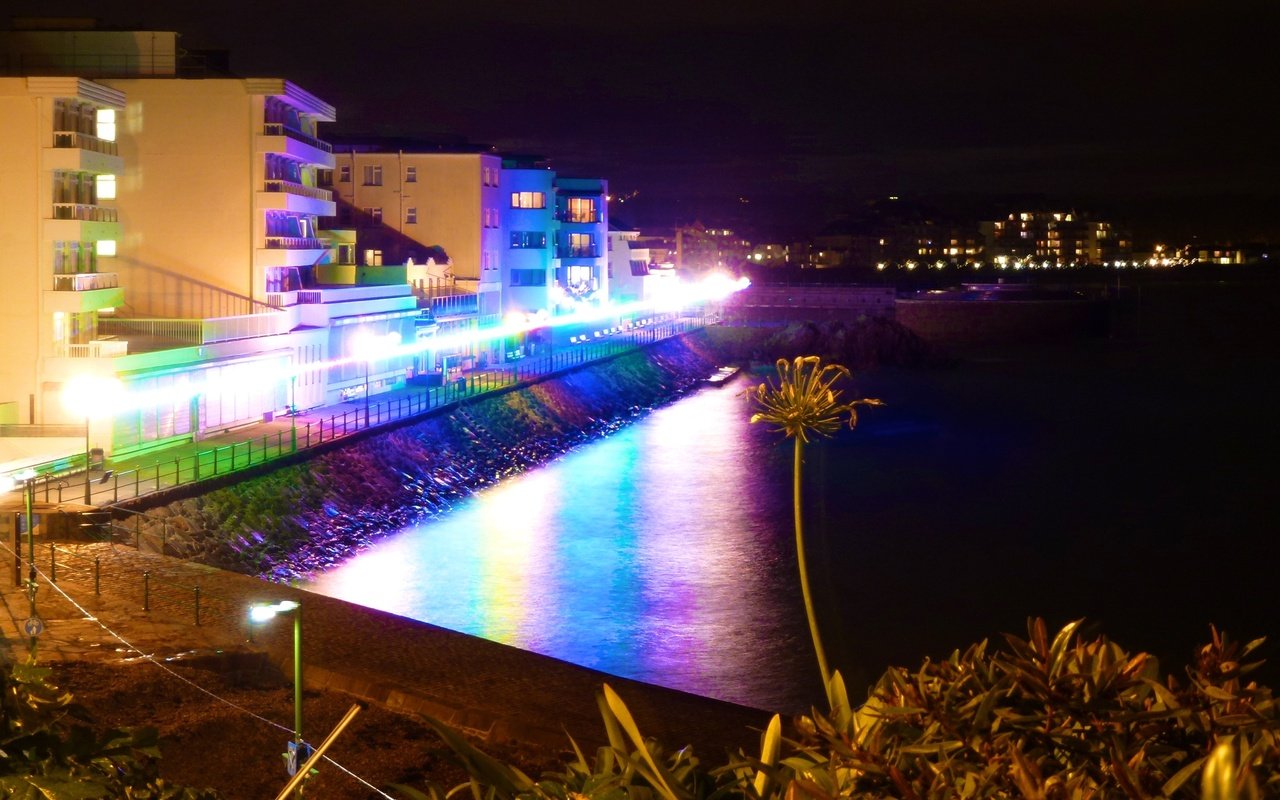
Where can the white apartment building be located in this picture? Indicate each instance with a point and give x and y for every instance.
(164, 232)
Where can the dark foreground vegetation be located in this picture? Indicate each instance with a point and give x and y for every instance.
(1033, 716)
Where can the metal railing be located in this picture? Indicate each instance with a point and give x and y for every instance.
(113, 487)
(85, 281)
(454, 305)
(295, 243)
(280, 129)
(85, 212)
(565, 251)
(84, 141)
(98, 348)
(177, 332)
(289, 187)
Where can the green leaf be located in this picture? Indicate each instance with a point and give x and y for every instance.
(770, 749)
(654, 773)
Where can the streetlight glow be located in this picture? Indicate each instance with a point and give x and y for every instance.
(266, 611)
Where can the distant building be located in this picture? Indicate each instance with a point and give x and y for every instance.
(634, 275)
(703, 249)
(894, 231)
(1060, 237)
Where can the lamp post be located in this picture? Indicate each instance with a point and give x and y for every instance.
(261, 612)
(89, 396)
(88, 492)
(367, 347)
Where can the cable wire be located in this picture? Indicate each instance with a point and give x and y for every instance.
(152, 659)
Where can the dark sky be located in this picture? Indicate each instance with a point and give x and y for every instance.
(1163, 114)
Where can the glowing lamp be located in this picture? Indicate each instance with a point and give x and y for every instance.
(91, 396)
(265, 611)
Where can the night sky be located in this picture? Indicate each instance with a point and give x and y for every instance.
(776, 117)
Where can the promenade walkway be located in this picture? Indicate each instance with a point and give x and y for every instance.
(165, 607)
(134, 476)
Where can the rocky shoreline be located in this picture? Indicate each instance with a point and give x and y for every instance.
(304, 518)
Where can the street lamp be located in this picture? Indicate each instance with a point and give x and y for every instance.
(89, 396)
(261, 612)
(369, 347)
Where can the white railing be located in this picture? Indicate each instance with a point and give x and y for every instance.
(84, 212)
(302, 190)
(85, 281)
(295, 243)
(99, 348)
(246, 326)
(84, 141)
(157, 333)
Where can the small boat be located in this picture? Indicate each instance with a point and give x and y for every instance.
(722, 376)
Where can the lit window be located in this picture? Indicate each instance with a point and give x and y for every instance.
(528, 200)
(580, 209)
(410, 174)
(106, 187)
(106, 126)
(106, 247)
(411, 216)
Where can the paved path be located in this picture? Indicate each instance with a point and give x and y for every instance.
(495, 691)
(230, 451)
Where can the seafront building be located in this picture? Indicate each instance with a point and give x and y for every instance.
(194, 243)
(170, 249)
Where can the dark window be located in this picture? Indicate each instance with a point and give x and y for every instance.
(528, 277)
(535, 240)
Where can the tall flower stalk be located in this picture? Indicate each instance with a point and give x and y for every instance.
(802, 403)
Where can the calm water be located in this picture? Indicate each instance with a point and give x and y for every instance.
(1129, 487)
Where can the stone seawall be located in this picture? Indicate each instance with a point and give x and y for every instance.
(305, 517)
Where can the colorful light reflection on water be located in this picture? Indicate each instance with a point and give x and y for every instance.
(632, 556)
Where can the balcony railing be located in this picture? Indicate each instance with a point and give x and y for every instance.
(99, 348)
(279, 129)
(84, 212)
(84, 141)
(163, 334)
(299, 189)
(589, 251)
(295, 243)
(85, 281)
(568, 216)
(454, 305)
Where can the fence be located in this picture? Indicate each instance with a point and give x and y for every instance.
(152, 588)
(116, 486)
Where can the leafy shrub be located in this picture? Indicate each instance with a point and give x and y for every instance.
(1056, 719)
(48, 751)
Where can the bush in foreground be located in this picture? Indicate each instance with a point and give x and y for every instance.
(1039, 718)
(48, 751)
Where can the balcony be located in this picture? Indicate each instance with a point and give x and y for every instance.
(279, 129)
(299, 189)
(163, 334)
(295, 243)
(84, 141)
(584, 218)
(98, 348)
(84, 212)
(588, 251)
(456, 305)
(85, 281)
